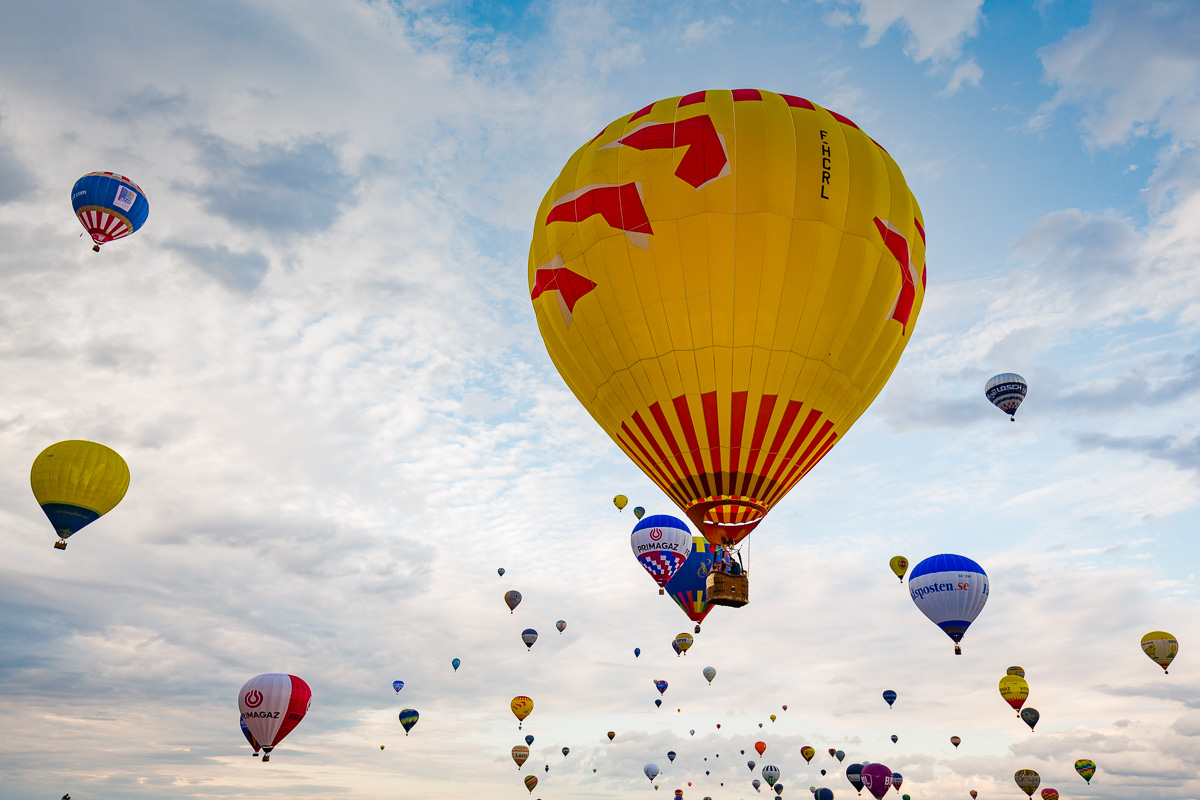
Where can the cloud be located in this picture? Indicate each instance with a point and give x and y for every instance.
(1134, 69)
(289, 188)
(16, 179)
(702, 30)
(1181, 452)
(965, 72)
(241, 272)
(936, 29)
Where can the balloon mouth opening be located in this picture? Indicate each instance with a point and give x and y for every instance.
(726, 520)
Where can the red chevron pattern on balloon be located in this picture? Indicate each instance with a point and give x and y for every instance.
(705, 159)
(620, 205)
(896, 242)
(555, 277)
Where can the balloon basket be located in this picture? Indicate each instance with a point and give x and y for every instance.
(662, 590)
(95, 248)
(728, 590)
(61, 544)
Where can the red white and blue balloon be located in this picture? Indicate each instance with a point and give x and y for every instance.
(661, 544)
(272, 705)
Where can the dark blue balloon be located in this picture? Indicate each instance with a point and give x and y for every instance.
(889, 696)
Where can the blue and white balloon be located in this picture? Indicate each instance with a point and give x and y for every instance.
(1006, 391)
(951, 590)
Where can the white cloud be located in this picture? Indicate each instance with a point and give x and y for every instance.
(703, 30)
(965, 72)
(936, 29)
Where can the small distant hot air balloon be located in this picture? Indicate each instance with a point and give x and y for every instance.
(684, 641)
(1018, 671)
(456, 663)
(897, 779)
(899, 565)
(566, 751)
(529, 739)
(521, 707)
(620, 501)
(661, 543)
(671, 755)
(529, 636)
(770, 774)
(76, 482)
(500, 572)
(889, 697)
(808, 753)
(954, 740)
(661, 686)
(547, 768)
(709, 673)
(1086, 769)
(760, 747)
(250, 737)
(1027, 780)
(272, 705)
(651, 771)
(1159, 646)
(823, 794)
(950, 590)
(1006, 391)
(408, 718)
(895, 738)
(561, 625)
(520, 754)
(877, 778)
(840, 755)
(750, 765)
(397, 685)
(1049, 794)
(531, 783)
(109, 206)
(1015, 691)
(611, 735)
(785, 708)
(639, 512)
(832, 752)
(756, 783)
(854, 775)
(637, 651)
(512, 598)
(692, 732)
(822, 773)
(1030, 716)
(973, 794)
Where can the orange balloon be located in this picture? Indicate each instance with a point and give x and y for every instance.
(760, 747)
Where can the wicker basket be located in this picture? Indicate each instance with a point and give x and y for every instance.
(728, 590)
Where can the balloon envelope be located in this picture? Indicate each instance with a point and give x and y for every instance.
(684, 641)
(1015, 691)
(661, 543)
(1027, 780)
(877, 778)
(715, 217)
(561, 625)
(760, 747)
(854, 775)
(408, 718)
(1006, 391)
(529, 636)
(512, 599)
(709, 673)
(1086, 769)
(620, 501)
(954, 740)
(272, 705)
(889, 697)
(249, 736)
(76, 482)
(661, 686)
(670, 755)
(456, 663)
(899, 565)
(1018, 671)
(689, 587)
(651, 771)
(1031, 717)
(531, 783)
(521, 707)
(770, 774)
(397, 685)
(807, 753)
(950, 590)
(529, 740)
(520, 754)
(1159, 646)
(823, 794)
(840, 755)
(1049, 794)
(639, 512)
(897, 780)
(109, 206)
(500, 572)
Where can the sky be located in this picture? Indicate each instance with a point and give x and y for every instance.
(320, 361)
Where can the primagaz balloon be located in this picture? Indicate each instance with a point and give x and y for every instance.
(272, 705)
(776, 260)
(1015, 691)
(76, 482)
(661, 543)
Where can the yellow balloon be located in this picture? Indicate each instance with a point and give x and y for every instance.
(725, 281)
(1014, 690)
(620, 501)
(899, 565)
(1028, 780)
(76, 483)
(772, 718)
(1161, 647)
(521, 706)
(684, 641)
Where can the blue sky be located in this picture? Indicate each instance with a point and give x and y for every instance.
(320, 361)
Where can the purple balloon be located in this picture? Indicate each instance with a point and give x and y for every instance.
(877, 779)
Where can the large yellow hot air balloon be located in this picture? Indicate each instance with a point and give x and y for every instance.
(726, 280)
(76, 483)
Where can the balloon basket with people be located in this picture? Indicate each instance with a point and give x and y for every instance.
(727, 584)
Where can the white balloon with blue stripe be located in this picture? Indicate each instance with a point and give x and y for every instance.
(951, 590)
